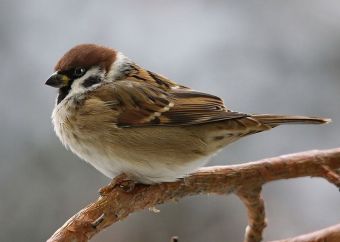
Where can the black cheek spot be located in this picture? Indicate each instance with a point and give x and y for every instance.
(91, 81)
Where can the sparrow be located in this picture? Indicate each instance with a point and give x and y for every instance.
(124, 119)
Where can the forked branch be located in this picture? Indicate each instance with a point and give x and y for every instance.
(245, 180)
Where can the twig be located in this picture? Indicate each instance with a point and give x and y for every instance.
(330, 234)
(245, 179)
(256, 214)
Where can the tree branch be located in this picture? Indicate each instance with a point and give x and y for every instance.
(330, 234)
(245, 180)
(252, 199)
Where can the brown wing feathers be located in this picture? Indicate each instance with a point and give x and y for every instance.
(192, 107)
(142, 104)
(145, 99)
(275, 120)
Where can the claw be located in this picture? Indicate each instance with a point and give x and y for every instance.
(122, 181)
(127, 185)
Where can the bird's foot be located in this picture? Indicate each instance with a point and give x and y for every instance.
(122, 181)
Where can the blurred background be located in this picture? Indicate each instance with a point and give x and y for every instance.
(260, 56)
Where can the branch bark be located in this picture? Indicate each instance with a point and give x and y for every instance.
(245, 180)
(330, 234)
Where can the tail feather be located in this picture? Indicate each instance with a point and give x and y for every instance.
(274, 120)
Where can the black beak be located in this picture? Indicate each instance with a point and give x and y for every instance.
(58, 80)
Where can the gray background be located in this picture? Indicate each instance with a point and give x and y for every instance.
(260, 56)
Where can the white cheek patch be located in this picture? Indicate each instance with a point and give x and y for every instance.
(78, 86)
(118, 69)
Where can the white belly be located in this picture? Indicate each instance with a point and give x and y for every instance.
(148, 155)
(112, 164)
(144, 166)
(152, 172)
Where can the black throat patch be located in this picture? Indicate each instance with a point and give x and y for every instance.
(63, 92)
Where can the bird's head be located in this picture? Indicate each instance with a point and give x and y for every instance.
(85, 67)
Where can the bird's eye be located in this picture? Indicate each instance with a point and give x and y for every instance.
(78, 72)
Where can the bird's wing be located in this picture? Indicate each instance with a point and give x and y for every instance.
(193, 107)
(139, 104)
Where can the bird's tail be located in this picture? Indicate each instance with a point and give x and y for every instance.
(274, 120)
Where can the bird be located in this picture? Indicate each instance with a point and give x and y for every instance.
(124, 119)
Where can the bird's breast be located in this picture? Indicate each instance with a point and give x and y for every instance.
(150, 154)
